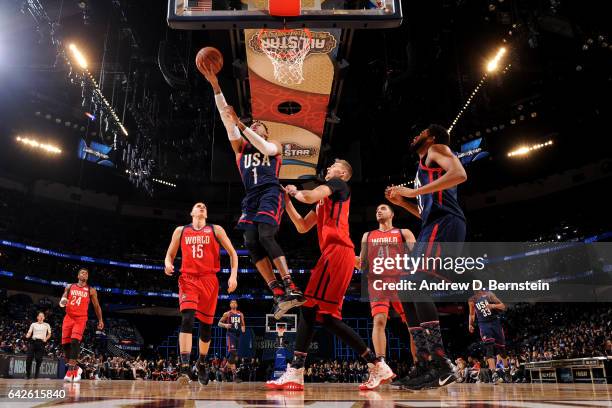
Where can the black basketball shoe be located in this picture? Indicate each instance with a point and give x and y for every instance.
(183, 378)
(203, 374)
(293, 297)
(439, 374)
(417, 370)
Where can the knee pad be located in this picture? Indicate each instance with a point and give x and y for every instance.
(75, 349)
(251, 241)
(267, 239)
(205, 332)
(489, 348)
(188, 317)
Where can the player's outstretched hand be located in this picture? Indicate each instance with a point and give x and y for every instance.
(100, 325)
(357, 262)
(401, 191)
(291, 190)
(168, 269)
(210, 76)
(232, 284)
(63, 302)
(229, 113)
(391, 196)
(471, 328)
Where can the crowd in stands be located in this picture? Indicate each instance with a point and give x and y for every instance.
(346, 371)
(160, 369)
(549, 331)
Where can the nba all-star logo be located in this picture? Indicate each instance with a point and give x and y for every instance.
(183, 297)
(321, 42)
(296, 150)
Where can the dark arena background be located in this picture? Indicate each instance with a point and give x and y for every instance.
(110, 133)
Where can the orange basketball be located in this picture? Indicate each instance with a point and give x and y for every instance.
(209, 57)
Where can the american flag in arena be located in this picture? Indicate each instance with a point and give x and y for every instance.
(205, 5)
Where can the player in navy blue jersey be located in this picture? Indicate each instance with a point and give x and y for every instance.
(259, 160)
(442, 220)
(233, 321)
(486, 309)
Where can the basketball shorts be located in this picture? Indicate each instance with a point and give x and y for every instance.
(330, 279)
(264, 205)
(382, 300)
(492, 332)
(73, 327)
(199, 292)
(232, 342)
(447, 229)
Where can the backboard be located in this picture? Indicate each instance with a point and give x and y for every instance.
(229, 14)
(289, 321)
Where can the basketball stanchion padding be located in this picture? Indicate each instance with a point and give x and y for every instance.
(285, 8)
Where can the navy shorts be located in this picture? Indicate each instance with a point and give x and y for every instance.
(492, 332)
(448, 229)
(264, 204)
(232, 342)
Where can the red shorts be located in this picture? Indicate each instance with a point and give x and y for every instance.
(381, 301)
(382, 306)
(73, 328)
(329, 280)
(199, 292)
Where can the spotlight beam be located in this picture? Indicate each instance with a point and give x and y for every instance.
(78, 56)
(493, 64)
(526, 150)
(80, 59)
(49, 148)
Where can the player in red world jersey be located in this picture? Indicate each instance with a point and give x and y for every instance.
(331, 275)
(76, 301)
(198, 283)
(384, 242)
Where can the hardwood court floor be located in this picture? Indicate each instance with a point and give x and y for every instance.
(144, 394)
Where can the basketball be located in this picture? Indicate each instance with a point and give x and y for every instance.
(211, 58)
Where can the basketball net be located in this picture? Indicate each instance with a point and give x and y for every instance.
(280, 330)
(287, 49)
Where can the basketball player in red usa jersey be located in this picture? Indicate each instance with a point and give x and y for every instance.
(384, 242)
(331, 275)
(198, 284)
(76, 301)
(259, 161)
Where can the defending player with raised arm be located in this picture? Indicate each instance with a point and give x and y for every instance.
(233, 320)
(198, 284)
(331, 275)
(384, 242)
(442, 220)
(76, 299)
(259, 161)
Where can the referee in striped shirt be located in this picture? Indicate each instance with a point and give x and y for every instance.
(40, 332)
